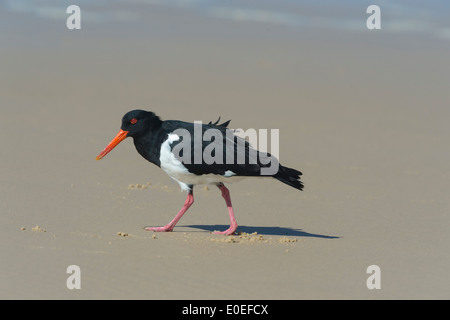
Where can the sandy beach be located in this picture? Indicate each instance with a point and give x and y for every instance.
(362, 113)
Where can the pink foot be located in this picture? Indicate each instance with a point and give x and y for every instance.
(227, 232)
(159, 229)
(233, 223)
(169, 227)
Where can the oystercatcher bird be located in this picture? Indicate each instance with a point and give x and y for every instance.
(218, 157)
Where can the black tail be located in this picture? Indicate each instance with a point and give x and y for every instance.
(290, 177)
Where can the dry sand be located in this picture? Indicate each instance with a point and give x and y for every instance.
(363, 115)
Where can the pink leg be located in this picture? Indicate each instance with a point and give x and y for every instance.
(171, 224)
(233, 223)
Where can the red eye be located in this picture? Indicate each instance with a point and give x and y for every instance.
(133, 121)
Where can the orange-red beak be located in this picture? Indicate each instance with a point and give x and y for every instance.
(114, 142)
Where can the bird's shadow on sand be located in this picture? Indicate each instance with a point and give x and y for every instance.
(275, 231)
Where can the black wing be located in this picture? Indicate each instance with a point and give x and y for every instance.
(213, 148)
